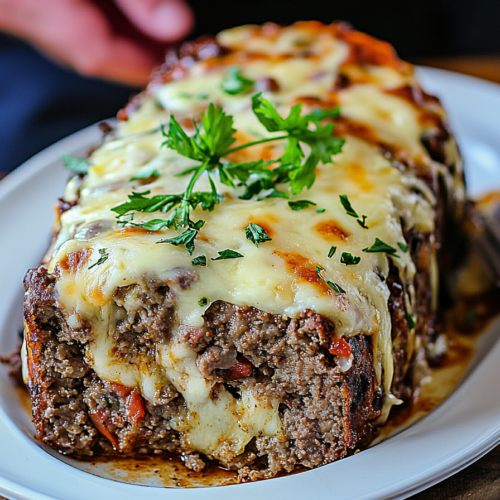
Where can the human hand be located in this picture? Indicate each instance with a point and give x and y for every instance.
(77, 33)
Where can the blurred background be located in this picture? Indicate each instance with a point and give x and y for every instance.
(48, 46)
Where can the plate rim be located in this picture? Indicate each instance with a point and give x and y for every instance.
(403, 489)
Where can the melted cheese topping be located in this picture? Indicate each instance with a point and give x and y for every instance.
(279, 276)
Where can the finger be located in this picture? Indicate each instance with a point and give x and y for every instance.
(164, 20)
(78, 34)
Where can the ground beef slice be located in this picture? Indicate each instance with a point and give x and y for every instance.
(325, 413)
(57, 368)
(65, 391)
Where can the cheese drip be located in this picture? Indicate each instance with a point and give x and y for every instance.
(278, 276)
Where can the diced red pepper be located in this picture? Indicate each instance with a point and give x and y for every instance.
(119, 389)
(100, 420)
(340, 348)
(195, 335)
(241, 369)
(135, 407)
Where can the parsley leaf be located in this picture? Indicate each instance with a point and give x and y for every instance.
(349, 210)
(186, 238)
(275, 193)
(235, 83)
(334, 286)
(347, 206)
(122, 221)
(203, 301)
(200, 261)
(332, 251)
(379, 247)
(75, 165)
(152, 225)
(411, 321)
(321, 210)
(300, 204)
(103, 258)
(403, 247)
(228, 254)
(256, 234)
(349, 259)
(362, 221)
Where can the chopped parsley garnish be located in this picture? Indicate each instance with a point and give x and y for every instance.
(186, 238)
(275, 194)
(334, 286)
(235, 83)
(362, 221)
(210, 145)
(200, 261)
(321, 210)
(403, 247)
(349, 259)
(349, 210)
(411, 321)
(75, 165)
(203, 301)
(103, 258)
(332, 251)
(124, 220)
(145, 173)
(151, 225)
(256, 234)
(347, 206)
(300, 204)
(380, 247)
(228, 254)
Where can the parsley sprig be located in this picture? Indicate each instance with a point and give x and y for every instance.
(209, 147)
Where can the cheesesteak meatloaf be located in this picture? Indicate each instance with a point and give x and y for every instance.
(246, 270)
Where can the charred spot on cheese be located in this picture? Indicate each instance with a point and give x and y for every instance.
(331, 230)
(302, 268)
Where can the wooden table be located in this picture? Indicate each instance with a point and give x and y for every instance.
(481, 480)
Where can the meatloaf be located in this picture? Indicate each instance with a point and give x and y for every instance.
(270, 317)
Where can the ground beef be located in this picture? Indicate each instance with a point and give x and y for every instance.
(325, 413)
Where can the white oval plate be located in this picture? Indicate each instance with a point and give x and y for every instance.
(462, 429)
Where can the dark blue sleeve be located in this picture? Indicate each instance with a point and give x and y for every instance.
(41, 102)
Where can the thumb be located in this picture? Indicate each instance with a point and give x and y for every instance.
(163, 20)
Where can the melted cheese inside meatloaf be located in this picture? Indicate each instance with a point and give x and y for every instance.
(305, 62)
